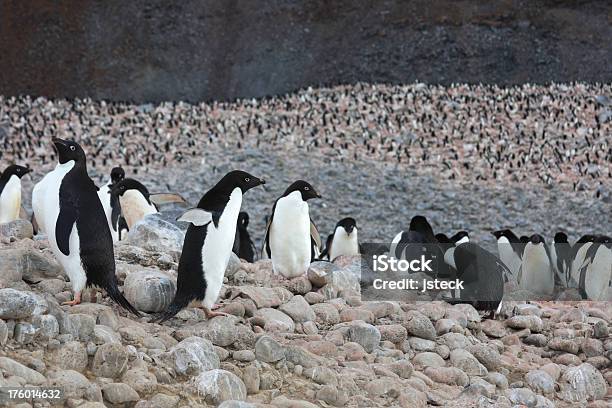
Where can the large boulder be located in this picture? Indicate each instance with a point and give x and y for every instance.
(149, 290)
(192, 356)
(268, 350)
(16, 304)
(153, 233)
(26, 263)
(365, 334)
(11, 366)
(110, 360)
(582, 383)
(298, 309)
(18, 229)
(217, 386)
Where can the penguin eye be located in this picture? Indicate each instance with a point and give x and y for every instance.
(72, 148)
(306, 188)
(247, 179)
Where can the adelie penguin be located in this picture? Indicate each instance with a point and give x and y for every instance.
(134, 200)
(243, 244)
(536, 274)
(561, 259)
(483, 276)
(292, 240)
(594, 273)
(418, 241)
(343, 241)
(510, 249)
(112, 208)
(208, 244)
(10, 192)
(76, 225)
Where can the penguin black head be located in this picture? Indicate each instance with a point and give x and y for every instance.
(348, 224)
(443, 239)
(15, 170)
(502, 233)
(420, 224)
(560, 238)
(240, 179)
(536, 239)
(117, 174)
(305, 189)
(524, 239)
(126, 184)
(243, 219)
(68, 150)
(460, 236)
(586, 238)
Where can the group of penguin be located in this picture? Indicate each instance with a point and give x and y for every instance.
(83, 221)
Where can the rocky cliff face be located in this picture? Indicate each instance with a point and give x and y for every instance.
(202, 50)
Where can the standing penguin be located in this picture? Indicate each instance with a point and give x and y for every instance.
(134, 199)
(419, 241)
(536, 274)
(594, 274)
(292, 240)
(510, 250)
(77, 229)
(243, 244)
(578, 256)
(208, 243)
(343, 241)
(560, 257)
(419, 232)
(483, 275)
(110, 202)
(10, 192)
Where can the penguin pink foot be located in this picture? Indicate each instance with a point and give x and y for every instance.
(210, 314)
(75, 301)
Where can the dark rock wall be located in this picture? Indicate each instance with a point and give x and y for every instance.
(153, 50)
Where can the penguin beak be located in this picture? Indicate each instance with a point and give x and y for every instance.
(58, 142)
(262, 181)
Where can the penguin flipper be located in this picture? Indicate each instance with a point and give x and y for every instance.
(63, 228)
(266, 252)
(315, 236)
(115, 211)
(166, 198)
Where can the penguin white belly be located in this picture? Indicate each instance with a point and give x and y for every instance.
(72, 263)
(290, 236)
(449, 257)
(217, 248)
(105, 199)
(393, 246)
(344, 244)
(38, 201)
(508, 256)
(135, 207)
(10, 200)
(536, 275)
(598, 275)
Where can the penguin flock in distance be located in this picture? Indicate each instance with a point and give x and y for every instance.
(82, 222)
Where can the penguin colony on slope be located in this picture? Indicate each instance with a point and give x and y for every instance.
(68, 207)
(557, 134)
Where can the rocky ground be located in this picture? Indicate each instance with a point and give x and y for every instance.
(306, 342)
